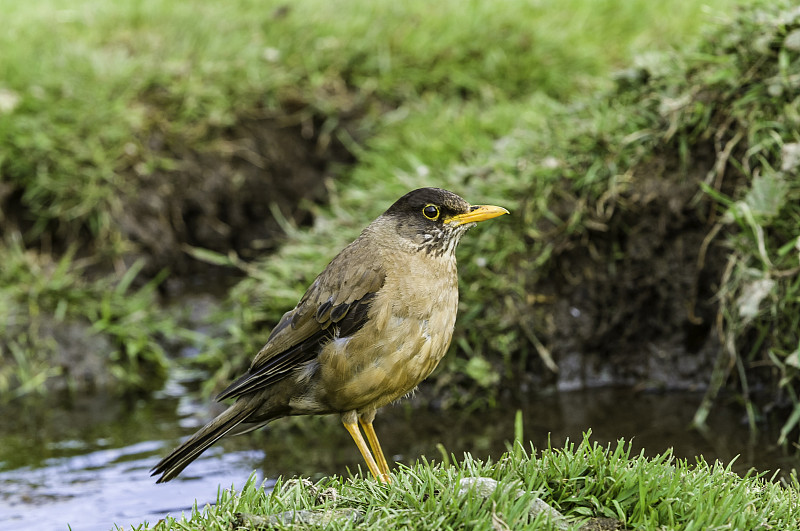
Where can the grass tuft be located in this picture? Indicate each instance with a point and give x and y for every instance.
(61, 332)
(583, 481)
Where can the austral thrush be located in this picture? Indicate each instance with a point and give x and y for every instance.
(371, 327)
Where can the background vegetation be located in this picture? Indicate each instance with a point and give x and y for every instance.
(137, 138)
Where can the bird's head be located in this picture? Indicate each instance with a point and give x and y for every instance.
(433, 220)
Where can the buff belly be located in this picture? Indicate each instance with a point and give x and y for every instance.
(379, 371)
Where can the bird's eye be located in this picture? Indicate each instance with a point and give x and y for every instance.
(431, 212)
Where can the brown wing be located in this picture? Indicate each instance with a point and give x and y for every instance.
(335, 305)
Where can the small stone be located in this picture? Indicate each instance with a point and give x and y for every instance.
(792, 41)
(484, 487)
(8, 101)
(790, 157)
(320, 517)
(271, 55)
(329, 495)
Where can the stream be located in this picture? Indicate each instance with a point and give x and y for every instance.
(84, 464)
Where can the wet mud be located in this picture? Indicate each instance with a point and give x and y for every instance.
(629, 299)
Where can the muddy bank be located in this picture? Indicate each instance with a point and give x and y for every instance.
(680, 270)
(631, 299)
(225, 192)
(217, 188)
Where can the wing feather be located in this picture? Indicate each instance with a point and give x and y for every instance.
(335, 305)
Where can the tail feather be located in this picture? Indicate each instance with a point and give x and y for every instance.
(178, 459)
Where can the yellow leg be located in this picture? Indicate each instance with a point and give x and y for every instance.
(355, 433)
(372, 437)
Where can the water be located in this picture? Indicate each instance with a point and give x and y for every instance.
(86, 463)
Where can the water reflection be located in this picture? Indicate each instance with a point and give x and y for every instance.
(87, 463)
(104, 487)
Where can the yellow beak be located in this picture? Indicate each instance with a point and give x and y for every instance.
(476, 214)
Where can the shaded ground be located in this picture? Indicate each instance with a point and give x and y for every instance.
(629, 302)
(221, 192)
(224, 196)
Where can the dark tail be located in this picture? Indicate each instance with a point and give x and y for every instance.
(175, 462)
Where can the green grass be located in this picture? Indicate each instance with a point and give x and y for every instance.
(97, 81)
(583, 481)
(57, 325)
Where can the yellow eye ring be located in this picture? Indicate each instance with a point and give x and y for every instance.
(431, 212)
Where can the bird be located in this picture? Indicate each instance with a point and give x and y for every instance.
(369, 329)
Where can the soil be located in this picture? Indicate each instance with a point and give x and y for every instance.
(225, 197)
(222, 191)
(631, 304)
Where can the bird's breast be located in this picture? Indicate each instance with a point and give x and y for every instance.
(409, 330)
